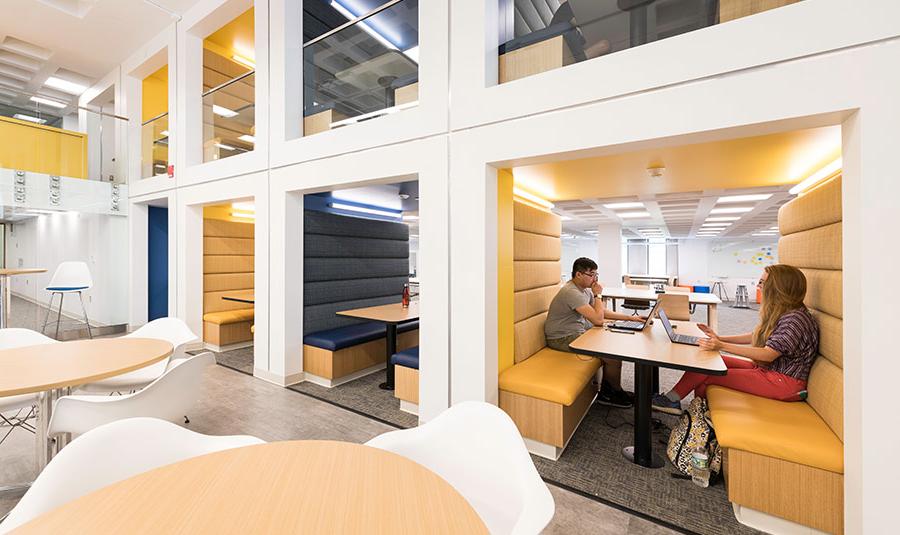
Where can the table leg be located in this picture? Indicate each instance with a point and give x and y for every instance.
(4, 295)
(642, 451)
(41, 438)
(712, 316)
(391, 349)
(654, 383)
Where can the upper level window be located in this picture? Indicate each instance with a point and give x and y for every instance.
(155, 123)
(542, 35)
(360, 60)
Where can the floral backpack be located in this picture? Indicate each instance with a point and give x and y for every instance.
(694, 430)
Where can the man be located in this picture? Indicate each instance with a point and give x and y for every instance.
(576, 308)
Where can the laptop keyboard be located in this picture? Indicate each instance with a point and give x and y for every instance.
(687, 338)
(624, 324)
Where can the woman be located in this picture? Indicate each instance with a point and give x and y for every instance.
(779, 352)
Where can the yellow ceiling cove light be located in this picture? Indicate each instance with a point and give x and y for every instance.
(244, 61)
(817, 177)
(532, 198)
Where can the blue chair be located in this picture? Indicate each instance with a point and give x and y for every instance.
(70, 277)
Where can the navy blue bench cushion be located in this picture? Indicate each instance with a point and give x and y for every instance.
(407, 357)
(341, 337)
(406, 327)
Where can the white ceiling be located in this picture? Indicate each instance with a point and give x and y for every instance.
(678, 215)
(78, 40)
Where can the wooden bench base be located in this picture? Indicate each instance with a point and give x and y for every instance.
(760, 486)
(545, 425)
(333, 368)
(226, 336)
(406, 388)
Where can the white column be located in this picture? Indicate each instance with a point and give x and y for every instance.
(609, 254)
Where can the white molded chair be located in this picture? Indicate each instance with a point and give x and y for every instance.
(10, 339)
(169, 397)
(109, 454)
(477, 448)
(172, 330)
(70, 277)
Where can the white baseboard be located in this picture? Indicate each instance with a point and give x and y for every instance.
(409, 407)
(229, 347)
(276, 379)
(549, 451)
(331, 383)
(770, 524)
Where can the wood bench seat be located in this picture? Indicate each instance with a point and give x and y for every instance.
(406, 379)
(227, 328)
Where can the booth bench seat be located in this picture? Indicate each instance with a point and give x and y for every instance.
(406, 379)
(547, 395)
(336, 356)
(780, 457)
(227, 328)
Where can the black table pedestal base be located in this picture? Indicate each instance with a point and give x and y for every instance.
(655, 460)
(391, 346)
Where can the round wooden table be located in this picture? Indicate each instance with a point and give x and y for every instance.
(5, 274)
(51, 369)
(281, 487)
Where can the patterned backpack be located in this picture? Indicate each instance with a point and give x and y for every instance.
(694, 430)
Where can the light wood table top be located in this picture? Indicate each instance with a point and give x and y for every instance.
(241, 296)
(651, 295)
(280, 487)
(45, 367)
(652, 346)
(393, 313)
(21, 271)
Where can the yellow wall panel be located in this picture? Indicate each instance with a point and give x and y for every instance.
(505, 273)
(42, 149)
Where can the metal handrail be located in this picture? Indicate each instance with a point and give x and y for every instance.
(228, 83)
(349, 23)
(150, 120)
(103, 113)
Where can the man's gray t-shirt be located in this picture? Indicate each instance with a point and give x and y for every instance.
(562, 319)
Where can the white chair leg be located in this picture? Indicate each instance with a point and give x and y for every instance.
(86, 320)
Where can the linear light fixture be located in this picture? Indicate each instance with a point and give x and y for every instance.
(49, 102)
(246, 206)
(164, 133)
(247, 138)
(715, 225)
(732, 210)
(744, 198)
(773, 228)
(243, 215)
(531, 197)
(410, 218)
(224, 146)
(364, 210)
(244, 61)
(760, 234)
(565, 218)
(29, 118)
(372, 114)
(817, 177)
(725, 218)
(633, 215)
(223, 111)
(623, 205)
(65, 85)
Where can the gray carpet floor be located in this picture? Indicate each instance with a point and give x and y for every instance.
(592, 463)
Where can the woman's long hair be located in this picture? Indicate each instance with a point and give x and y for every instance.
(783, 291)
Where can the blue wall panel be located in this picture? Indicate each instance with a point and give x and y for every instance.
(158, 263)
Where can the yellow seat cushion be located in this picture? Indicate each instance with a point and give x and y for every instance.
(791, 431)
(550, 375)
(229, 316)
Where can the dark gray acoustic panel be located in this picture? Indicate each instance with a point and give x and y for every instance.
(317, 293)
(321, 246)
(340, 225)
(324, 316)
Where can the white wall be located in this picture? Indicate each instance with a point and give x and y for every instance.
(99, 240)
(702, 262)
(609, 255)
(573, 248)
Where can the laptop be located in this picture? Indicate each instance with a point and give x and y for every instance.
(633, 325)
(677, 338)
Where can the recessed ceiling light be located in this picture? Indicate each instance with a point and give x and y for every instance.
(410, 218)
(725, 218)
(65, 85)
(773, 228)
(29, 118)
(247, 138)
(565, 218)
(247, 206)
(744, 198)
(222, 111)
(719, 225)
(762, 235)
(224, 146)
(732, 210)
(623, 205)
(164, 133)
(244, 61)
(633, 215)
(49, 102)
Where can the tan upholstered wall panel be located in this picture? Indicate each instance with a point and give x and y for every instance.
(818, 248)
(530, 275)
(231, 246)
(214, 282)
(529, 337)
(229, 229)
(529, 219)
(831, 338)
(534, 301)
(826, 394)
(213, 302)
(816, 208)
(227, 264)
(528, 246)
(825, 290)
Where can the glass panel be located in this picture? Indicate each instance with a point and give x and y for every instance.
(362, 71)
(155, 146)
(229, 118)
(542, 35)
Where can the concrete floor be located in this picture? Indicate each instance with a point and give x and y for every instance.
(234, 403)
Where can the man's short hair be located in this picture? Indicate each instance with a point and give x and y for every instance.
(583, 265)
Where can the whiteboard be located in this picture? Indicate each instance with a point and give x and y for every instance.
(741, 259)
